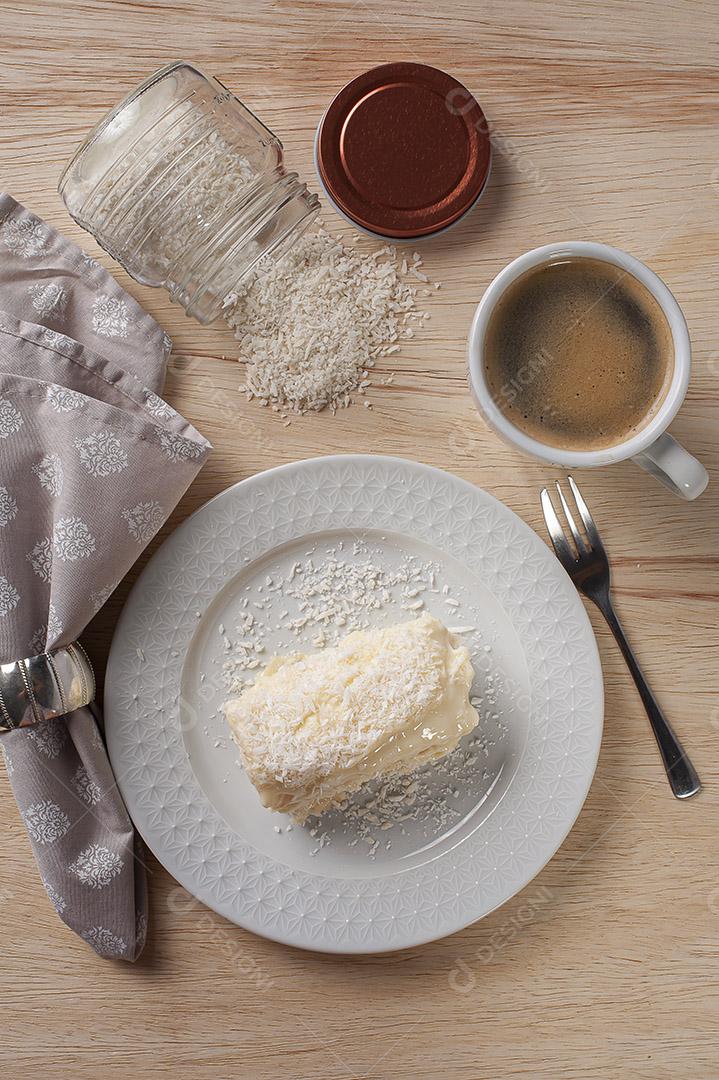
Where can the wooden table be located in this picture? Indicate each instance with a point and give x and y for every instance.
(605, 128)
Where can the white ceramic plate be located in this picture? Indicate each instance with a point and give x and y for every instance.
(481, 826)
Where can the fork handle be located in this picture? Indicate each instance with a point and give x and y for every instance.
(681, 773)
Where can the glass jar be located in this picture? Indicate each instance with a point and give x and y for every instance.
(186, 188)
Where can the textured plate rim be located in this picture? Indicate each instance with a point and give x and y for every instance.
(150, 803)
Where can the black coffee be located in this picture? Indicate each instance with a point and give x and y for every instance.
(578, 354)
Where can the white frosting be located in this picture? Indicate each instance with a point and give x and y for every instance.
(313, 728)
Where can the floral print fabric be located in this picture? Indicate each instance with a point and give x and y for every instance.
(92, 461)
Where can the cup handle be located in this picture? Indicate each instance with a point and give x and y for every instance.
(674, 467)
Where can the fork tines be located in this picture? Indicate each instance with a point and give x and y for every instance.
(561, 546)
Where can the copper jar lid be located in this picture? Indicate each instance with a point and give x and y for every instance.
(403, 150)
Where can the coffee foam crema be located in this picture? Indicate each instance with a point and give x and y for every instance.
(578, 354)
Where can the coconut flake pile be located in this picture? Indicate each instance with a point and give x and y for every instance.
(313, 324)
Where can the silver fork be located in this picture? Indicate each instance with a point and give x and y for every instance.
(589, 570)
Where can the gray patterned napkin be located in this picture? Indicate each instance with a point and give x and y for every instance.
(48, 280)
(92, 461)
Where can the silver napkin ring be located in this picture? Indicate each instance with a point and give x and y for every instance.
(40, 687)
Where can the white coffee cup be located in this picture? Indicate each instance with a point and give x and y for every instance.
(651, 447)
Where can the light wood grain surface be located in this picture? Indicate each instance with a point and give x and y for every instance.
(606, 118)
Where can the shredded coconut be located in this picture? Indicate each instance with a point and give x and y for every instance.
(315, 727)
(313, 602)
(334, 594)
(313, 323)
(391, 803)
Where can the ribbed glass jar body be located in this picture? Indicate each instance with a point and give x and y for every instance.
(186, 188)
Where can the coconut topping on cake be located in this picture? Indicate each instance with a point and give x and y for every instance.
(313, 728)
